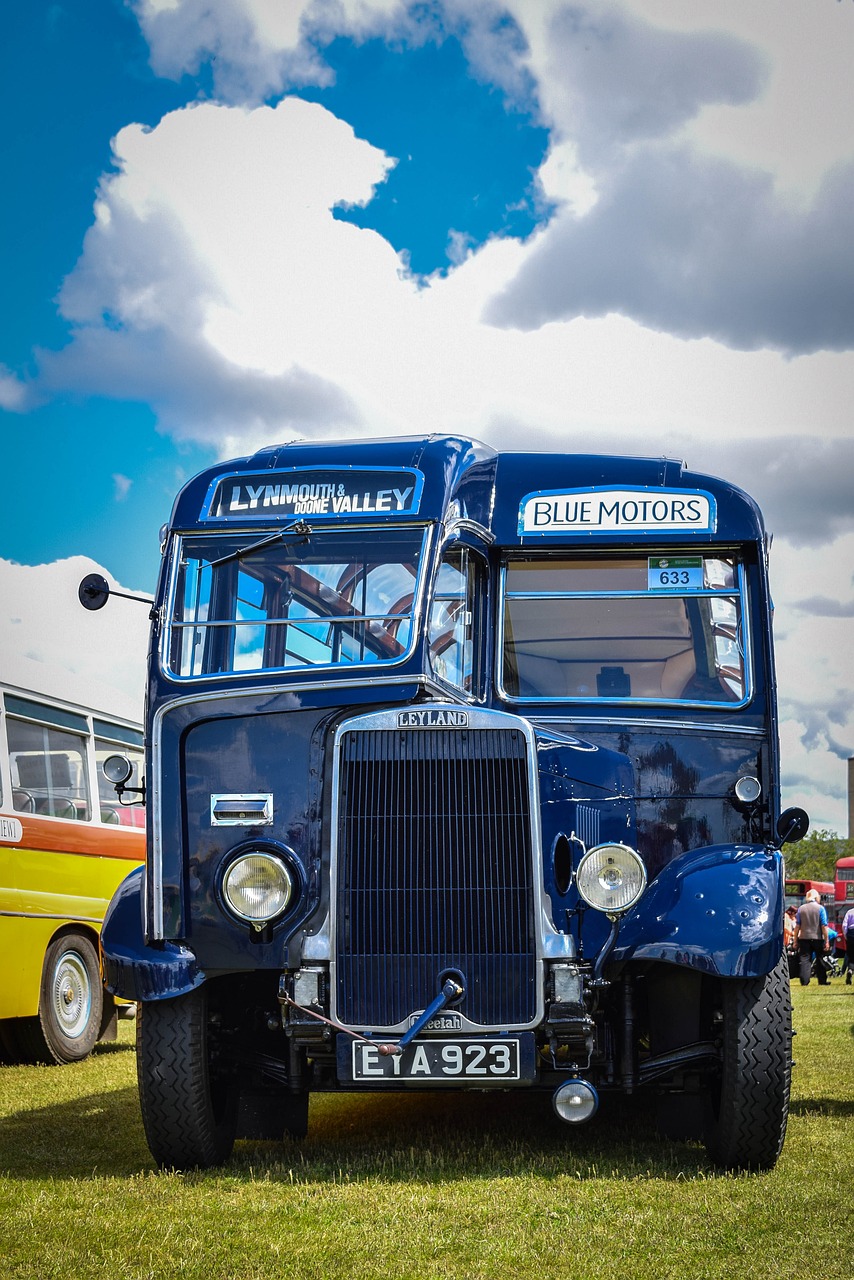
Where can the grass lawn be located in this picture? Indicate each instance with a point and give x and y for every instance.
(455, 1186)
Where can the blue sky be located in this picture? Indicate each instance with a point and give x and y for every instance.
(622, 226)
(458, 139)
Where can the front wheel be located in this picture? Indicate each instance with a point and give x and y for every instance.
(188, 1108)
(750, 1103)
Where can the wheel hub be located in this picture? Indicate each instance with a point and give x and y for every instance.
(72, 994)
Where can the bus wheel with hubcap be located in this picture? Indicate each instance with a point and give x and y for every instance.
(189, 1112)
(71, 1003)
(750, 1103)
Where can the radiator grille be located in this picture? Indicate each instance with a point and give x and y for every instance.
(435, 872)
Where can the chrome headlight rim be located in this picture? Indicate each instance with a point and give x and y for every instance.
(624, 864)
(275, 859)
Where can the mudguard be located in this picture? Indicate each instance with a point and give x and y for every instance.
(718, 909)
(133, 969)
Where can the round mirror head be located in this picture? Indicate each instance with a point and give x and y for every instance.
(94, 591)
(117, 769)
(792, 825)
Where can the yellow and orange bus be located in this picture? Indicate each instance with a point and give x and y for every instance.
(65, 845)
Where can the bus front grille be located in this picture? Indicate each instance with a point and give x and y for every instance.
(434, 874)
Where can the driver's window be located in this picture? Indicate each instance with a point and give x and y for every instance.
(453, 642)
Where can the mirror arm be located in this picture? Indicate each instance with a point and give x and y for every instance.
(121, 789)
(94, 592)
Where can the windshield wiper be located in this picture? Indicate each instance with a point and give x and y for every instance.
(300, 527)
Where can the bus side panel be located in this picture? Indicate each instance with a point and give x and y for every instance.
(40, 893)
(23, 943)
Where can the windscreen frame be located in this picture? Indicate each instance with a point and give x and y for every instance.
(246, 535)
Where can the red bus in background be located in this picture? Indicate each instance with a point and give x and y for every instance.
(843, 897)
(797, 890)
(844, 883)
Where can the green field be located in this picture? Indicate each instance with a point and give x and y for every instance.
(486, 1186)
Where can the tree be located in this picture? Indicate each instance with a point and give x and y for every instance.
(814, 857)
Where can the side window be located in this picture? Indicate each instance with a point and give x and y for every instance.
(48, 768)
(454, 643)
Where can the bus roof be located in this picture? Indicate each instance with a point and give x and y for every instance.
(522, 498)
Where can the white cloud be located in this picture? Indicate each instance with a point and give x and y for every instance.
(13, 392)
(256, 48)
(236, 303)
(121, 486)
(815, 654)
(50, 643)
(800, 125)
(797, 128)
(680, 240)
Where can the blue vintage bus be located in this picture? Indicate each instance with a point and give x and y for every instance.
(462, 773)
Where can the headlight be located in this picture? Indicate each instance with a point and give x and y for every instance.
(611, 877)
(747, 789)
(257, 887)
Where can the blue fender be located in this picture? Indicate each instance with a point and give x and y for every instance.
(718, 909)
(133, 969)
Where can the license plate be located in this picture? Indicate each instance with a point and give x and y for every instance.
(491, 1060)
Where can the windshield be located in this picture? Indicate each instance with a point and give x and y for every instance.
(322, 599)
(626, 628)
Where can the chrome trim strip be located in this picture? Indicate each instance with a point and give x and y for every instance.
(48, 915)
(466, 525)
(417, 612)
(631, 722)
(740, 593)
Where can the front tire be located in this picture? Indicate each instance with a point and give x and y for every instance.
(750, 1103)
(188, 1109)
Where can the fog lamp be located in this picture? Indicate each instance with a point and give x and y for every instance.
(257, 887)
(611, 877)
(575, 1101)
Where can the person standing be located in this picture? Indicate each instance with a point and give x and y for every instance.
(789, 927)
(848, 935)
(811, 938)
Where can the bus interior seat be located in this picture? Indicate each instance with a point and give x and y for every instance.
(23, 801)
(613, 682)
(540, 678)
(677, 672)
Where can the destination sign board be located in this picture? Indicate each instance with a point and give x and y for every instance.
(617, 511)
(315, 493)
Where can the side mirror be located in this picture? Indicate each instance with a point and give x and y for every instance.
(117, 769)
(792, 825)
(93, 593)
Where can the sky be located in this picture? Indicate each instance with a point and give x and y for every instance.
(621, 227)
